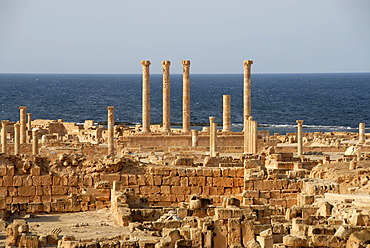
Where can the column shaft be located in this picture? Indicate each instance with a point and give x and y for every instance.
(226, 114)
(35, 142)
(212, 137)
(4, 143)
(361, 133)
(246, 135)
(110, 131)
(186, 96)
(146, 96)
(166, 127)
(194, 138)
(247, 101)
(17, 139)
(22, 120)
(29, 123)
(300, 137)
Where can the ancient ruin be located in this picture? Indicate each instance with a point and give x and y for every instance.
(67, 185)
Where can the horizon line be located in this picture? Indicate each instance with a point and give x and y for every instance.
(195, 73)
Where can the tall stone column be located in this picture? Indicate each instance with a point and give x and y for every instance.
(361, 133)
(35, 142)
(300, 137)
(186, 96)
(22, 120)
(194, 138)
(247, 96)
(166, 96)
(4, 143)
(110, 131)
(29, 121)
(17, 138)
(226, 114)
(212, 137)
(146, 96)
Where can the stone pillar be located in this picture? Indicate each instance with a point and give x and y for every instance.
(361, 133)
(166, 96)
(250, 135)
(226, 114)
(22, 120)
(186, 96)
(254, 135)
(212, 137)
(110, 131)
(4, 143)
(247, 107)
(300, 137)
(194, 138)
(17, 138)
(29, 119)
(35, 142)
(146, 96)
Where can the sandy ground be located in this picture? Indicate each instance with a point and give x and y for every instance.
(90, 224)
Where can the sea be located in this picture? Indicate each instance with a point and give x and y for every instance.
(325, 101)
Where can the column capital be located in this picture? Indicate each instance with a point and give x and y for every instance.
(166, 63)
(185, 63)
(299, 122)
(211, 119)
(22, 107)
(5, 122)
(110, 108)
(145, 63)
(248, 63)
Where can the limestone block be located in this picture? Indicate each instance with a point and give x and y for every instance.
(59, 190)
(180, 190)
(26, 191)
(234, 231)
(295, 241)
(35, 171)
(220, 236)
(265, 242)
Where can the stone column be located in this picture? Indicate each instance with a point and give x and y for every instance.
(166, 96)
(226, 114)
(22, 120)
(29, 119)
(186, 96)
(246, 135)
(300, 137)
(247, 108)
(110, 131)
(194, 138)
(4, 143)
(212, 137)
(35, 142)
(250, 135)
(361, 133)
(254, 135)
(146, 96)
(17, 138)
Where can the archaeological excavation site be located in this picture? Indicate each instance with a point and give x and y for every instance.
(65, 184)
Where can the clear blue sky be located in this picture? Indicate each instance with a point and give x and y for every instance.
(106, 36)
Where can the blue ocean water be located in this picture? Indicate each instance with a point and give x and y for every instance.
(326, 102)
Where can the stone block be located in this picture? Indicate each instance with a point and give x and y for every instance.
(18, 181)
(59, 190)
(8, 181)
(27, 191)
(20, 199)
(180, 190)
(146, 190)
(35, 171)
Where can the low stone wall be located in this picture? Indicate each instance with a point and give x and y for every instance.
(161, 185)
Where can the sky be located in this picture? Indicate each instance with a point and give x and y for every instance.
(112, 36)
